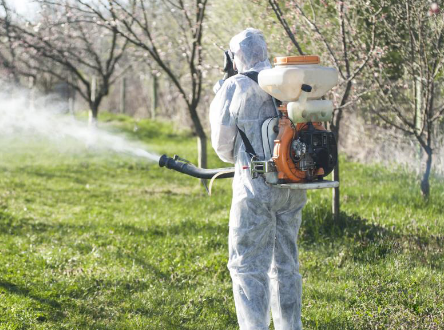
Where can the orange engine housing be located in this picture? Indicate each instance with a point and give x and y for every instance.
(286, 168)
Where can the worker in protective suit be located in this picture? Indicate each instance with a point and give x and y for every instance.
(264, 220)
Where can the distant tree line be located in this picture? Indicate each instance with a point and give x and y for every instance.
(388, 55)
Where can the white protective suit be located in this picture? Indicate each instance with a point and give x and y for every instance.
(264, 220)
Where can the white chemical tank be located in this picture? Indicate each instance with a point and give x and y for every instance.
(310, 110)
(284, 81)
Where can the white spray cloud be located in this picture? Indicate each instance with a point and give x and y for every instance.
(20, 118)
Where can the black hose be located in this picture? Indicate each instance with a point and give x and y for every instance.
(194, 171)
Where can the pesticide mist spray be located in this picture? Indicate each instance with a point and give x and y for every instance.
(19, 118)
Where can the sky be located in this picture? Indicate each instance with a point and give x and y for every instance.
(23, 7)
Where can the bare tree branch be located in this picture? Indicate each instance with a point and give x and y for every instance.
(280, 16)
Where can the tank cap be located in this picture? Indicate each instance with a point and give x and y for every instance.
(306, 88)
(295, 60)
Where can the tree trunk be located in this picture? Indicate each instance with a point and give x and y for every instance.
(154, 98)
(93, 106)
(335, 204)
(201, 136)
(31, 93)
(122, 95)
(202, 154)
(425, 184)
(71, 100)
(71, 105)
(201, 143)
(202, 151)
(418, 105)
(93, 114)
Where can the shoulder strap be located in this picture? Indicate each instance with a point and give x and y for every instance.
(253, 75)
(248, 147)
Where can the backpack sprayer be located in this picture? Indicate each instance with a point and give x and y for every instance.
(299, 151)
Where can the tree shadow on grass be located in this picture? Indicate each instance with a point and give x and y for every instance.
(178, 228)
(18, 226)
(336, 324)
(369, 242)
(52, 309)
(357, 234)
(23, 226)
(191, 304)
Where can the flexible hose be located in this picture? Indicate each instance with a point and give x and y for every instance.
(197, 172)
(216, 177)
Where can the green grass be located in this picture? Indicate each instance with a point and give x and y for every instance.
(100, 241)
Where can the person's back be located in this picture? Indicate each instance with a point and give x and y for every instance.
(264, 220)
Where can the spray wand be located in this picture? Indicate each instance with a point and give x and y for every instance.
(184, 166)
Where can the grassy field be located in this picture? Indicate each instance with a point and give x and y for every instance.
(100, 241)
